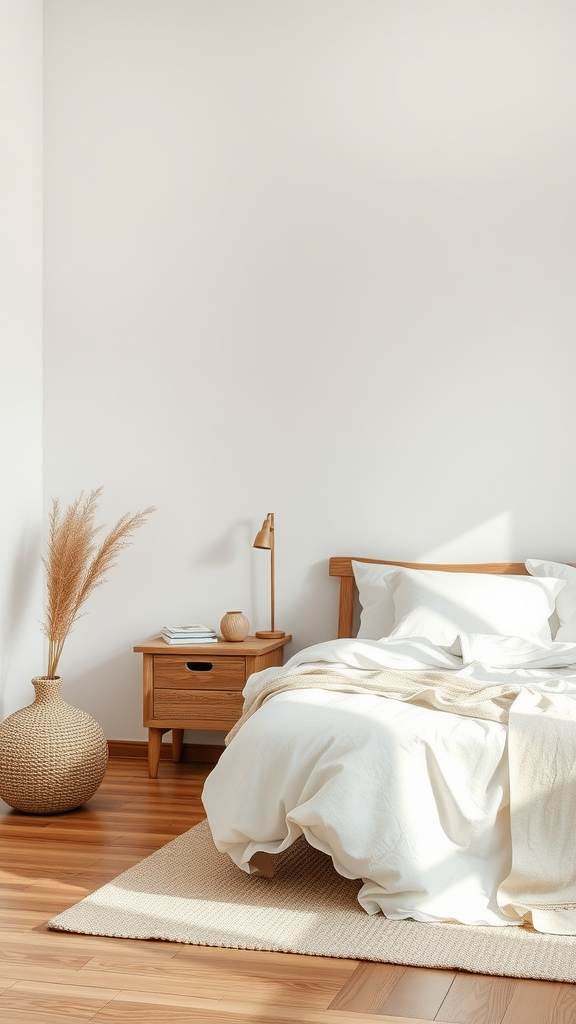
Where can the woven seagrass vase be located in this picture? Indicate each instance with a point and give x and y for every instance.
(52, 756)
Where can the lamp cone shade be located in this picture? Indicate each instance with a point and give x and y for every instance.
(265, 539)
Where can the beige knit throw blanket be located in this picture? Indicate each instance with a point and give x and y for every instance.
(541, 886)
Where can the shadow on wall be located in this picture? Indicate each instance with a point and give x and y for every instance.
(313, 615)
(223, 551)
(238, 537)
(26, 569)
(113, 684)
(491, 541)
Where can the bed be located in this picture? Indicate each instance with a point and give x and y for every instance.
(430, 750)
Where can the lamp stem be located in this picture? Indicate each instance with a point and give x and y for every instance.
(272, 574)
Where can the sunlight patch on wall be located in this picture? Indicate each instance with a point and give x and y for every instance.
(491, 541)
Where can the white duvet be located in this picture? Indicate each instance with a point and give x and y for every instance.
(412, 800)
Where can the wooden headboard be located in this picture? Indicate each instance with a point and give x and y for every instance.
(342, 567)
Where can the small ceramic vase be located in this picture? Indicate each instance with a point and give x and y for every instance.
(234, 626)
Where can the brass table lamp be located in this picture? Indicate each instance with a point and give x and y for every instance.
(265, 539)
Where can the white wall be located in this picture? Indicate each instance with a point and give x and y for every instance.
(20, 350)
(308, 256)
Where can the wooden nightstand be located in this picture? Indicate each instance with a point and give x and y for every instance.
(198, 686)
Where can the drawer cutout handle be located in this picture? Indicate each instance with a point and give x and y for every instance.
(199, 666)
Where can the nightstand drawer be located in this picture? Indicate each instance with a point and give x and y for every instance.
(198, 705)
(199, 672)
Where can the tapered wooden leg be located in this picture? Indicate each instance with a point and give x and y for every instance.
(177, 744)
(154, 744)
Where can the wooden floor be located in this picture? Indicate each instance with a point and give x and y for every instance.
(49, 863)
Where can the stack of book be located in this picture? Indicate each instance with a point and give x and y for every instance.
(197, 633)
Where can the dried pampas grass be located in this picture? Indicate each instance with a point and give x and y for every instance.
(75, 566)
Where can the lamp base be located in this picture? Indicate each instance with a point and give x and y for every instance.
(270, 634)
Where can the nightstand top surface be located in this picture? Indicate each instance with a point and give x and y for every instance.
(251, 645)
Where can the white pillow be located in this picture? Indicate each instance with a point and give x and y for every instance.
(566, 600)
(440, 605)
(377, 606)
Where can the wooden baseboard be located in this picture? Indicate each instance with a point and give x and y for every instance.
(199, 753)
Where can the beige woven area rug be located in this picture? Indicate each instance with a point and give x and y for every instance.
(188, 892)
